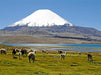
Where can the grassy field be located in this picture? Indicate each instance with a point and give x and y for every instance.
(50, 64)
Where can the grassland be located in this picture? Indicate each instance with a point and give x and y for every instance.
(50, 64)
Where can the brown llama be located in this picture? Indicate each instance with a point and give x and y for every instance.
(24, 51)
(89, 56)
(45, 51)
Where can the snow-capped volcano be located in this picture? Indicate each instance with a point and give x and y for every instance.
(45, 23)
(43, 17)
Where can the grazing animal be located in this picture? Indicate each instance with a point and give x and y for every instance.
(89, 56)
(14, 52)
(79, 53)
(60, 51)
(3, 51)
(17, 50)
(24, 51)
(44, 51)
(31, 56)
(19, 54)
(63, 56)
(31, 51)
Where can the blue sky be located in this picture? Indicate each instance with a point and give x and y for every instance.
(85, 13)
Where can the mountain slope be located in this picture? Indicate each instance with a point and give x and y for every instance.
(57, 29)
(51, 34)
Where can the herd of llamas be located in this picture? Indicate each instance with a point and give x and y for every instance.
(31, 54)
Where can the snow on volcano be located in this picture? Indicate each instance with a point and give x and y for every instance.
(43, 17)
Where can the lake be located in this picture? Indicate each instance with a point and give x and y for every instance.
(61, 45)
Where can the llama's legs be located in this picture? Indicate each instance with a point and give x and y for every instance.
(19, 56)
(91, 59)
(33, 59)
(29, 60)
(60, 57)
(88, 58)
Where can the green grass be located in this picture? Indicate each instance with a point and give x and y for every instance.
(50, 64)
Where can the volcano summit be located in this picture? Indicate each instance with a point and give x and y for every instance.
(43, 17)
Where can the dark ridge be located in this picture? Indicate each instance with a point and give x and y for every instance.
(87, 39)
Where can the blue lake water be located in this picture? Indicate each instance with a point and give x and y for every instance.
(61, 45)
(58, 45)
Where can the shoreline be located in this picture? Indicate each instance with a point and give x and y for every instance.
(69, 49)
